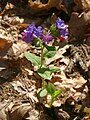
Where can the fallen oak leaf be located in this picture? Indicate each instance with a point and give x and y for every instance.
(3, 42)
(4, 46)
(17, 111)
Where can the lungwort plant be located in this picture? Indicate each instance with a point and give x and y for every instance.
(41, 38)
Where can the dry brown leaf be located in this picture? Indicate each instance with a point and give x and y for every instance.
(78, 24)
(17, 111)
(82, 5)
(3, 64)
(69, 90)
(3, 42)
(57, 56)
(4, 46)
(33, 115)
(86, 118)
(3, 116)
(61, 114)
(22, 90)
(45, 4)
(19, 48)
(18, 87)
(72, 82)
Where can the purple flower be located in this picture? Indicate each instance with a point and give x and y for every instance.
(38, 31)
(27, 36)
(59, 23)
(47, 37)
(30, 27)
(63, 32)
(31, 31)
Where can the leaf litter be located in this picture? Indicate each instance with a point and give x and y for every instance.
(18, 78)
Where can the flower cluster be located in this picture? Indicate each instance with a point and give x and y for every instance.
(62, 28)
(32, 31)
(46, 37)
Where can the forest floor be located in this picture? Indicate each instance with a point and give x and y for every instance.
(19, 81)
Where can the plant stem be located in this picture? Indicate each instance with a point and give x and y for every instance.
(42, 47)
(51, 101)
(43, 81)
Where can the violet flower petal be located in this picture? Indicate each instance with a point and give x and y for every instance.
(30, 27)
(38, 31)
(47, 37)
(63, 32)
(27, 36)
(59, 23)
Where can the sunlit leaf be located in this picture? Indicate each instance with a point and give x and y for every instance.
(38, 90)
(35, 60)
(49, 51)
(43, 93)
(44, 73)
(51, 88)
(54, 68)
(57, 92)
(53, 30)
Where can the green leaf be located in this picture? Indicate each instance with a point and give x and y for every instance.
(35, 60)
(39, 90)
(49, 51)
(54, 68)
(53, 30)
(57, 92)
(51, 88)
(44, 73)
(50, 54)
(43, 93)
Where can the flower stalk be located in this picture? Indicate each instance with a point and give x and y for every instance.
(42, 47)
